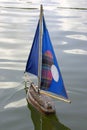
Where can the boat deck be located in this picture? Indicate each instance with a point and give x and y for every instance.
(40, 101)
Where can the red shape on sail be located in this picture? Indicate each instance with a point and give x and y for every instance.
(47, 61)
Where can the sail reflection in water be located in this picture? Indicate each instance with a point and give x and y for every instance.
(45, 122)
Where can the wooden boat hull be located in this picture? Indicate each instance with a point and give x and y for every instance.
(41, 102)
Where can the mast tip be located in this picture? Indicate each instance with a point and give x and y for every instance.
(41, 6)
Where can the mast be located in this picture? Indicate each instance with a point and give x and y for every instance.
(40, 48)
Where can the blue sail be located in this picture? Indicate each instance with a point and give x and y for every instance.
(32, 62)
(51, 79)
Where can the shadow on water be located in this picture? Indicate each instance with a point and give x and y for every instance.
(45, 122)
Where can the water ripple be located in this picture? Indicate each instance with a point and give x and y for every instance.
(76, 51)
(72, 8)
(16, 104)
(78, 36)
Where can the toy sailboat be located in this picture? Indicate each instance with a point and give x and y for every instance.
(42, 62)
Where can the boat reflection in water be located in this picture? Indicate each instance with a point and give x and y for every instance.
(45, 122)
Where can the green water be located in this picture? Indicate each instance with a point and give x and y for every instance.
(67, 25)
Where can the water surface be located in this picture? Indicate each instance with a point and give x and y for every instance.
(67, 25)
